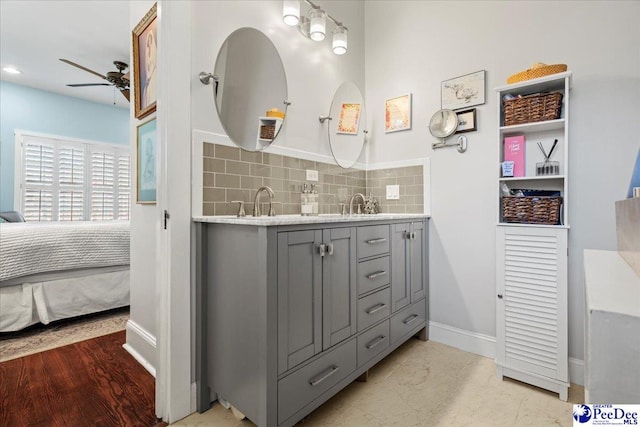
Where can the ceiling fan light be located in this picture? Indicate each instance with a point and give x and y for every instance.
(291, 12)
(318, 24)
(339, 44)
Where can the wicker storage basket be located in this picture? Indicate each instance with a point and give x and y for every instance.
(531, 209)
(537, 107)
(267, 131)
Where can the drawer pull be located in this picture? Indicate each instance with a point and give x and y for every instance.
(375, 342)
(376, 274)
(410, 319)
(378, 240)
(376, 308)
(323, 376)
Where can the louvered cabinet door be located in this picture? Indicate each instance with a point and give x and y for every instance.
(532, 302)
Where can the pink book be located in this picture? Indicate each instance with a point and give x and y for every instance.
(514, 151)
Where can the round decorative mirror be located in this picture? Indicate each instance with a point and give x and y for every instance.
(347, 121)
(250, 89)
(443, 123)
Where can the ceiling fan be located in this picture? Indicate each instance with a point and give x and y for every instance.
(115, 78)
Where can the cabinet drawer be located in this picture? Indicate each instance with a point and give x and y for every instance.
(373, 274)
(373, 240)
(306, 384)
(373, 342)
(373, 308)
(408, 319)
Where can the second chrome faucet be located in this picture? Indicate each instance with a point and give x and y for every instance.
(256, 205)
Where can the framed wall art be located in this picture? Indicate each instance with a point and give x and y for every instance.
(146, 149)
(397, 113)
(145, 64)
(464, 91)
(466, 121)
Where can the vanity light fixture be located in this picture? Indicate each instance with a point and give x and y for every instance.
(313, 24)
(11, 70)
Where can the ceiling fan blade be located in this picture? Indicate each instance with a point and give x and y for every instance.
(126, 77)
(89, 84)
(82, 68)
(125, 93)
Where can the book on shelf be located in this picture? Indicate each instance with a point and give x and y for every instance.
(514, 150)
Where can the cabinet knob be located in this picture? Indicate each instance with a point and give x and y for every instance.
(500, 296)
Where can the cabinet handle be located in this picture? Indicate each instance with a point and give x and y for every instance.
(376, 308)
(375, 342)
(330, 248)
(412, 235)
(376, 274)
(322, 249)
(323, 375)
(378, 240)
(410, 319)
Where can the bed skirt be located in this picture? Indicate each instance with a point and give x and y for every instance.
(29, 303)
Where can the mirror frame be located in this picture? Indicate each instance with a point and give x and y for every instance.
(254, 131)
(441, 132)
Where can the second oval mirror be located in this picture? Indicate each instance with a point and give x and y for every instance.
(347, 131)
(250, 85)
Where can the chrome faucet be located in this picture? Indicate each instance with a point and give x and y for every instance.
(256, 206)
(351, 202)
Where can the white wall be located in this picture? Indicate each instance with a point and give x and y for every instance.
(141, 327)
(313, 71)
(413, 46)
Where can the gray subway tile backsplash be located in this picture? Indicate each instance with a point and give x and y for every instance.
(234, 174)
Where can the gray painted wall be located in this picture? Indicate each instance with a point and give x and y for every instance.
(434, 41)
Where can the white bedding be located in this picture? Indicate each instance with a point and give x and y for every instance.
(30, 248)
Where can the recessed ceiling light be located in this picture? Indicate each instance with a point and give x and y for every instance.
(11, 70)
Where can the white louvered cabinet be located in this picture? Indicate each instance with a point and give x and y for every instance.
(532, 334)
(531, 259)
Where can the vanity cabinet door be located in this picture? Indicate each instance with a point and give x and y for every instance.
(409, 255)
(299, 297)
(419, 253)
(400, 267)
(339, 285)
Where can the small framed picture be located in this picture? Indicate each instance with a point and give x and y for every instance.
(146, 163)
(466, 121)
(463, 92)
(144, 64)
(397, 112)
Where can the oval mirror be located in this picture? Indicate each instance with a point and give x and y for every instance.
(443, 123)
(347, 131)
(249, 84)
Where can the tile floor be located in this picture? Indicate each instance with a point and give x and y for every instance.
(428, 384)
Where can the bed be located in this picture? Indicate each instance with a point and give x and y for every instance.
(52, 271)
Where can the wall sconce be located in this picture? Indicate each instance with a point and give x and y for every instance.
(313, 25)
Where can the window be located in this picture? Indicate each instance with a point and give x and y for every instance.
(69, 180)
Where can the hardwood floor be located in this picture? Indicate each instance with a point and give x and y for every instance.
(89, 383)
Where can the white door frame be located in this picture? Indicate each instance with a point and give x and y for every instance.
(173, 259)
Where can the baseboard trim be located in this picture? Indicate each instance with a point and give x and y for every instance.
(576, 371)
(141, 345)
(472, 342)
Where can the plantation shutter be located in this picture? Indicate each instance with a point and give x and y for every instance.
(38, 180)
(102, 185)
(71, 199)
(124, 186)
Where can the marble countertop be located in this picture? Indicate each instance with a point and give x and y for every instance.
(299, 219)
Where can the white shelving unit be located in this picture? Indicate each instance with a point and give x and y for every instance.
(531, 269)
(267, 121)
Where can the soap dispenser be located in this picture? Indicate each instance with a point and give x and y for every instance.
(305, 205)
(313, 200)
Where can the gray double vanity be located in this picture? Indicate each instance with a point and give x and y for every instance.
(290, 309)
(294, 308)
